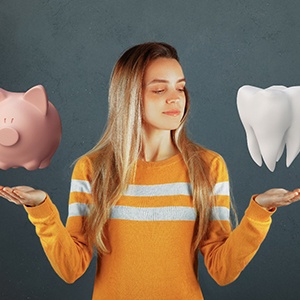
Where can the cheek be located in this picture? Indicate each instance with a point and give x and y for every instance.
(149, 105)
(149, 110)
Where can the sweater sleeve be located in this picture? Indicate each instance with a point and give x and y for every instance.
(66, 246)
(227, 252)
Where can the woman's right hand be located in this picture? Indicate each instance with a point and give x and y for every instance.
(23, 195)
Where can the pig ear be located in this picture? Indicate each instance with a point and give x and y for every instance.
(2, 94)
(37, 96)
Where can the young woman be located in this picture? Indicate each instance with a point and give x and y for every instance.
(147, 197)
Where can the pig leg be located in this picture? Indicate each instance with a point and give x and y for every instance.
(45, 163)
(31, 165)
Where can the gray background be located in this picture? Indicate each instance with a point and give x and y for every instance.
(71, 46)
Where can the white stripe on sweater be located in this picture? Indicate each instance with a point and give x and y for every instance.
(81, 186)
(168, 189)
(167, 213)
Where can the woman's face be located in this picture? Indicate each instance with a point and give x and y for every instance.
(163, 94)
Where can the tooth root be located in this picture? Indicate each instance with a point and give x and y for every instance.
(293, 134)
(281, 149)
(268, 150)
(267, 112)
(253, 146)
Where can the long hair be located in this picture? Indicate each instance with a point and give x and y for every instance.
(116, 154)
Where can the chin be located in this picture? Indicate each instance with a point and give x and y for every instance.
(172, 127)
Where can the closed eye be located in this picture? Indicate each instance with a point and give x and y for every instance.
(158, 91)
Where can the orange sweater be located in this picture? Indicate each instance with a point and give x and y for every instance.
(150, 231)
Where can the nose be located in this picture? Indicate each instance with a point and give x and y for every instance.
(8, 136)
(174, 96)
(173, 100)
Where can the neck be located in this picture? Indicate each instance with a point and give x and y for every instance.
(157, 145)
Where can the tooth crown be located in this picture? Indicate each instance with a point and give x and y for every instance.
(270, 119)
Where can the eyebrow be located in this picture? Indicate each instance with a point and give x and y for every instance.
(164, 81)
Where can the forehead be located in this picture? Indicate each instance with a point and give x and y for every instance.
(163, 68)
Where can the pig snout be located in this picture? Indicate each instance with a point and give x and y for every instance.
(8, 136)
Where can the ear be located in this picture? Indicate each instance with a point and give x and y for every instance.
(2, 94)
(37, 96)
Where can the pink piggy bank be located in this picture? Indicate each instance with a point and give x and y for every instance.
(30, 129)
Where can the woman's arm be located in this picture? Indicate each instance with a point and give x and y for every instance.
(67, 247)
(227, 252)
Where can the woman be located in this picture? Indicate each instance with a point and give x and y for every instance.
(147, 197)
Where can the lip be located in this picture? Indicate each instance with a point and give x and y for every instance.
(173, 112)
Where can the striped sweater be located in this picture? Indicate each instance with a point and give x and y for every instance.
(151, 231)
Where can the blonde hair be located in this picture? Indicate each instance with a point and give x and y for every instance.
(116, 154)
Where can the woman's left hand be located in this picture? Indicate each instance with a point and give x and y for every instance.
(277, 197)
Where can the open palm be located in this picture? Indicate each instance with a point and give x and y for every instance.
(23, 195)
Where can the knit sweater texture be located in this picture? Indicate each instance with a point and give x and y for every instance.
(150, 230)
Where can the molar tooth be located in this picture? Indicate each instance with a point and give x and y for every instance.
(266, 116)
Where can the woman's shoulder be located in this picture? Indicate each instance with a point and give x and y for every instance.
(85, 163)
(210, 156)
(91, 160)
(216, 165)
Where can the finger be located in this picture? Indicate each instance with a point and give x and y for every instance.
(290, 195)
(21, 195)
(296, 198)
(9, 191)
(1, 188)
(9, 195)
(297, 191)
(2, 194)
(15, 201)
(9, 198)
(289, 198)
(15, 195)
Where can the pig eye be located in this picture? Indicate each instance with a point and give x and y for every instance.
(12, 119)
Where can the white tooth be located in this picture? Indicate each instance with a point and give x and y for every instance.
(266, 116)
(293, 134)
